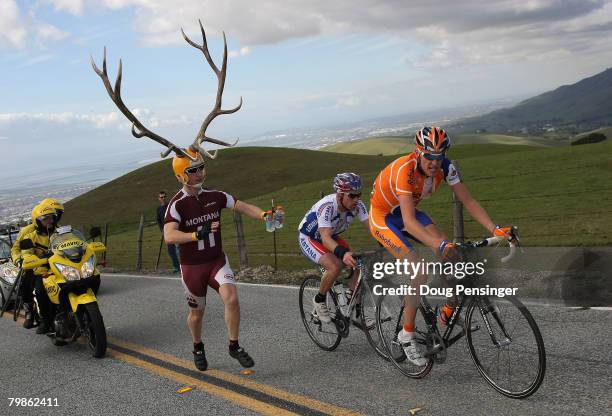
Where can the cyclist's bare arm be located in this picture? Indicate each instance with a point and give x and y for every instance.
(473, 207)
(248, 210)
(172, 235)
(330, 244)
(413, 226)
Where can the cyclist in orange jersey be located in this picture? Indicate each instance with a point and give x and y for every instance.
(394, 218)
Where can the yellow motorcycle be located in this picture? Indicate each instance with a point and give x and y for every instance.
(71, 286)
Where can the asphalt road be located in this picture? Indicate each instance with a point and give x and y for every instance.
(149, 360)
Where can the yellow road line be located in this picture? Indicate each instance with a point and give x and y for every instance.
(226, 394)
(239, 399)
(253, 385)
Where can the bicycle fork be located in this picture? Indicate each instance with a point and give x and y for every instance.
(486, 307)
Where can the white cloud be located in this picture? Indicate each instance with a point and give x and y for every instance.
(241, 52)
(453, 33)
(47, 31)
(15, 29)
(12, 27)
(74, 7)
(112, 120)
(348, 101)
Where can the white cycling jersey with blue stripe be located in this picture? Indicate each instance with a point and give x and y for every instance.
(325, 213)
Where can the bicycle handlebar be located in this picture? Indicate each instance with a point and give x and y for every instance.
(513, 243)
(494, 240)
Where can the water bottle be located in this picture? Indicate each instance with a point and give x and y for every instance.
(269, 222)
(348, 293)
(279, 217)
(339, 289)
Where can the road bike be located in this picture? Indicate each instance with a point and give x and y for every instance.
(502, 337)
(361, 306)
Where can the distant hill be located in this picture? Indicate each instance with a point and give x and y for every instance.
(463, 145)
(584, 105)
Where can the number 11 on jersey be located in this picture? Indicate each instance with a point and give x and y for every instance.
(211, 240)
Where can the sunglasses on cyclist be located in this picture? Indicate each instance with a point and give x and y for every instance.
(354, 196)
(194, 169)
(434, 156)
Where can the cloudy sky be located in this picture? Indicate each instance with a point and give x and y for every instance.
(296, 63)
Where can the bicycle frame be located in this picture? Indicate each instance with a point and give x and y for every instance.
(484, 306)
(439, 343)
(342, 320)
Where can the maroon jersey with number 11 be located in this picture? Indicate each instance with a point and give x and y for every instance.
(191, 213)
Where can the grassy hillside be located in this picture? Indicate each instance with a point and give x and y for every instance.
(373, 146)
(557, 196)
(397, 145)
(244, 172)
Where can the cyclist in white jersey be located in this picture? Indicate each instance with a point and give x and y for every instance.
(319, 234)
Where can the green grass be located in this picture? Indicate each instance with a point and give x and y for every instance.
(493, 138)
(557, 197)
(496, 143)
(392, 145)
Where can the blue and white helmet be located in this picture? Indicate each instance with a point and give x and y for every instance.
(347, 182)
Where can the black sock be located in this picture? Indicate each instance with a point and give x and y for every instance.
(199, 346)
(233, 345)
(319, 298)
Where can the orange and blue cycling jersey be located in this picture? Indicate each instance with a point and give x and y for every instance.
(403, 177)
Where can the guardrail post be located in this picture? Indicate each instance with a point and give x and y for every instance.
(458, 230)
(139, 243)
(105, 241)
(240, 243)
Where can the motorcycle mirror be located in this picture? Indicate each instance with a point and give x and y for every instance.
(94, 232)
(26, 244)
(97, 247)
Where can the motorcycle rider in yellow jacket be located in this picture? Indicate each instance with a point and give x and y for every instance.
(45, 222)
(27, 280)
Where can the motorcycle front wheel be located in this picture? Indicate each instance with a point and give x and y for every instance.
(95, 330)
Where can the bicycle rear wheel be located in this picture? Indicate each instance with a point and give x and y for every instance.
(512, 359)
(326, 336)
(390, 321)
(367, 320)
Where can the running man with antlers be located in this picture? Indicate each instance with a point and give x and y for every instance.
(193, 216)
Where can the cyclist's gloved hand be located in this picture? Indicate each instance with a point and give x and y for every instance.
(505, 232)
(448, 251)
(202, 233)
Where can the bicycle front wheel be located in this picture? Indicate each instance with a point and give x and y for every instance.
(367, 319)
(509, 351)
(390, 321)
(325, 335)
